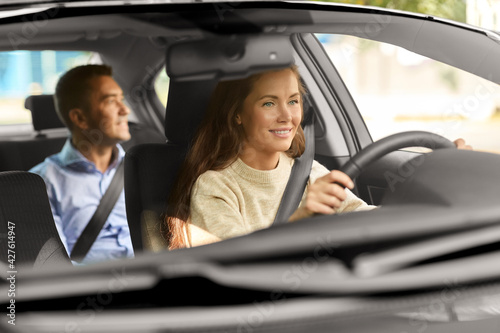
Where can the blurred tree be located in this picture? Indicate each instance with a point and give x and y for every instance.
(449, 9)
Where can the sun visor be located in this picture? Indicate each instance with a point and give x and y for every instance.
(227, 58)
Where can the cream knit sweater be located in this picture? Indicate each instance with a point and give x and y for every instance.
(239, 199)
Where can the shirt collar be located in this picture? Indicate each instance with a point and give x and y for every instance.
(70, 156)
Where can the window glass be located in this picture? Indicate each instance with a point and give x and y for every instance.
(24, 73)
(161, 86)
(397, 90)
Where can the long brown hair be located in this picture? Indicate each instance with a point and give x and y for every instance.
(216, 145)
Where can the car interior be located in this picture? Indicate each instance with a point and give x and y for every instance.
(377, 253)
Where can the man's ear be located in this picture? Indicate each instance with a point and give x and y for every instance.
(78, 118)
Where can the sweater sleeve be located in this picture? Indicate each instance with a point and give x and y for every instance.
(215, 207)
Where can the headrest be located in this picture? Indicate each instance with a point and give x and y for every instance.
(186, 106)
(195, 68)
(43, 112)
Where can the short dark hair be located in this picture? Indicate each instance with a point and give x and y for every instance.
(73, 89)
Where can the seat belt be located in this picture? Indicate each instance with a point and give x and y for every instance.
(299, 175)
(94, 227)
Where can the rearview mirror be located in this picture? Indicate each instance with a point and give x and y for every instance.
(227, 58)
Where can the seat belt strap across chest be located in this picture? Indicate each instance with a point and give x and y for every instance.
(94, 227)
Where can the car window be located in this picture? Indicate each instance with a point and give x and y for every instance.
(161, 86)
(397, 90)
(25, 73)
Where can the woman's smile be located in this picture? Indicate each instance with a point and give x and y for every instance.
(282, 132)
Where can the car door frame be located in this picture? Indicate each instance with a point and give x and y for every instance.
(383, 175)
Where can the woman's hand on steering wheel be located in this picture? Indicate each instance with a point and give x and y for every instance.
(325, 195)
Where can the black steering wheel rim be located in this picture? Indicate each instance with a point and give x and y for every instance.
(377, 149)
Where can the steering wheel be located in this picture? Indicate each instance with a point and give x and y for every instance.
(377, 149)
(368, 155)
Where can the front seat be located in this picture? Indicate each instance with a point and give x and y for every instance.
(27, 226)
(151, 169)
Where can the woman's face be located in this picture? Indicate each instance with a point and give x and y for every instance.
(270, 117)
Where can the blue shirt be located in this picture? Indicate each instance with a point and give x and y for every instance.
(75, 187)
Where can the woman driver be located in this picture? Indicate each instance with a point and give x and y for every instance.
(235, 174)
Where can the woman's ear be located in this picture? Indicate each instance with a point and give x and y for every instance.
(238, 119)
(78, 118)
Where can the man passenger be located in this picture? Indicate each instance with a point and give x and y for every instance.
(91, 105)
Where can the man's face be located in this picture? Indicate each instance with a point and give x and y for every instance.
(107, 116)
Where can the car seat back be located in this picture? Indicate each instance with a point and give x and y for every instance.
(27, 226)
(151, 169)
